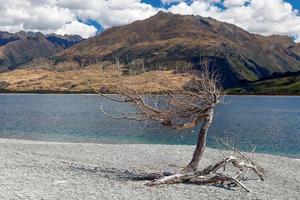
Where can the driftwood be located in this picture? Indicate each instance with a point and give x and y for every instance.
(211, 175)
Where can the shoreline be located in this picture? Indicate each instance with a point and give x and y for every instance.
(51, 170)
(91, 93)
(29, 141)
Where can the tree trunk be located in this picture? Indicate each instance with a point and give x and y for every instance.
(201, 143)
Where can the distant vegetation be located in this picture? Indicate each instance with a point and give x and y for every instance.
(277, 84)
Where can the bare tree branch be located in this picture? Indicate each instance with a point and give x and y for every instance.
(184, 108)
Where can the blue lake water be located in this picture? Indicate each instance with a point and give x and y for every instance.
(268, 122)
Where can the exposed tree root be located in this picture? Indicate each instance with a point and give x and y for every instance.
(211, 175)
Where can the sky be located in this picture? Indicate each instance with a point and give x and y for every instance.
(90, 17)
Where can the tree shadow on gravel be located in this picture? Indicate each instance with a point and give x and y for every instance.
(114, 173)
(126, 175)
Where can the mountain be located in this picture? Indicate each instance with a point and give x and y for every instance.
(65, 41)
(277, 84)
(6, 37)
(295, 51)
(20, 48)
(172, 41)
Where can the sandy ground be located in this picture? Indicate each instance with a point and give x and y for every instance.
(41, 170)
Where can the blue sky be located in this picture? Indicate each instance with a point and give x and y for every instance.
(295, 3)
(157, 3)
(88, 18)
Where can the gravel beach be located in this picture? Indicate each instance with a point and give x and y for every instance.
(43, 170)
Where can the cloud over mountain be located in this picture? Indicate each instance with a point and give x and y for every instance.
(70, 16)
(265, 17)
(77, 28)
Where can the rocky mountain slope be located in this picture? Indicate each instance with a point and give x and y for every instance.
(20, 48)
(171, 41)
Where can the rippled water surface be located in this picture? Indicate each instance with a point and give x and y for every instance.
(270, 123)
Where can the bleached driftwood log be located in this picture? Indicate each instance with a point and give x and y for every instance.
(214, 174)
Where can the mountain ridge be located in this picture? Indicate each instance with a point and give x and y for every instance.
(168, 40)
(21, 47)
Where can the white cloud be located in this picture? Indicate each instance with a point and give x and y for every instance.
(234, 3)
(77, 28)
(61, 16)
(266, 17)
(33, 15)
(111, 12)
(203, 8)
(297, 38)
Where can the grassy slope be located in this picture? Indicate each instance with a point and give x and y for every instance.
(40, 80)
(46, 81)
(278, 86)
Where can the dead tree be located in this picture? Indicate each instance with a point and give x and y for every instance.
(182, 108)
(118, 64)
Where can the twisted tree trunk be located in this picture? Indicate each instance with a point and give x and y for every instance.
(201, 143)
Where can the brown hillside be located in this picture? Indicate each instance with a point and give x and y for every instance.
(171, 40)
(20, 48)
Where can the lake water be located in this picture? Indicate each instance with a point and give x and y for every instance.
(270, 123)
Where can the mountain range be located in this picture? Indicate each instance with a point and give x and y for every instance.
(22, 47)
(163, 41)
(171, 40)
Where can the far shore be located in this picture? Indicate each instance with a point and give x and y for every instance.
(93, 93)
(52, 170)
